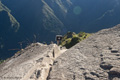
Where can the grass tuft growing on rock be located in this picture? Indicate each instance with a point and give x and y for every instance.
(71, 38)
(1, 61)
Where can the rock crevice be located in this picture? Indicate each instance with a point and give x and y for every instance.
(33, 63)
(95, 58)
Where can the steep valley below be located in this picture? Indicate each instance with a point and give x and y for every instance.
(27, 21)
(95, 58)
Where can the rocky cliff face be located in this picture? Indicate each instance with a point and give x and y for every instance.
(40, 15)
(32, 63)
(39, 20)
(96, 58)
(46, 18)
(57, 16)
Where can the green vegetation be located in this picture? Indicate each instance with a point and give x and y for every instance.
(71, 38)
(3, 7)
(1, 61)
(14, 23)
(50, 21)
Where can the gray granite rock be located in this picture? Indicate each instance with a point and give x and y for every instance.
(32, 63)
(96, 58)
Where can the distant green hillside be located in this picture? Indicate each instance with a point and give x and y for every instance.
(2, 7)
(14, 23)
(71, 38)
(8, 30)
(26, 20)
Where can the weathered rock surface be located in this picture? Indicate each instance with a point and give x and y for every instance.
(33, 63)
(96, 58)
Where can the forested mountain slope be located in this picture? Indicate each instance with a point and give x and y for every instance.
(8, 28)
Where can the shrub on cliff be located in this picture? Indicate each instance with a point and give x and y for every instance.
(71, 38)
(1, 61)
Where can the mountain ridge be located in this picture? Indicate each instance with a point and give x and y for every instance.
(14, 23)
(42, 20)
(95, 58)
(8, 29)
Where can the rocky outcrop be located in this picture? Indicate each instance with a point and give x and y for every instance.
(32, 63)
(96, 58)
(46, 18)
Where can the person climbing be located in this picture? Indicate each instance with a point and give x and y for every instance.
(58, 39)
